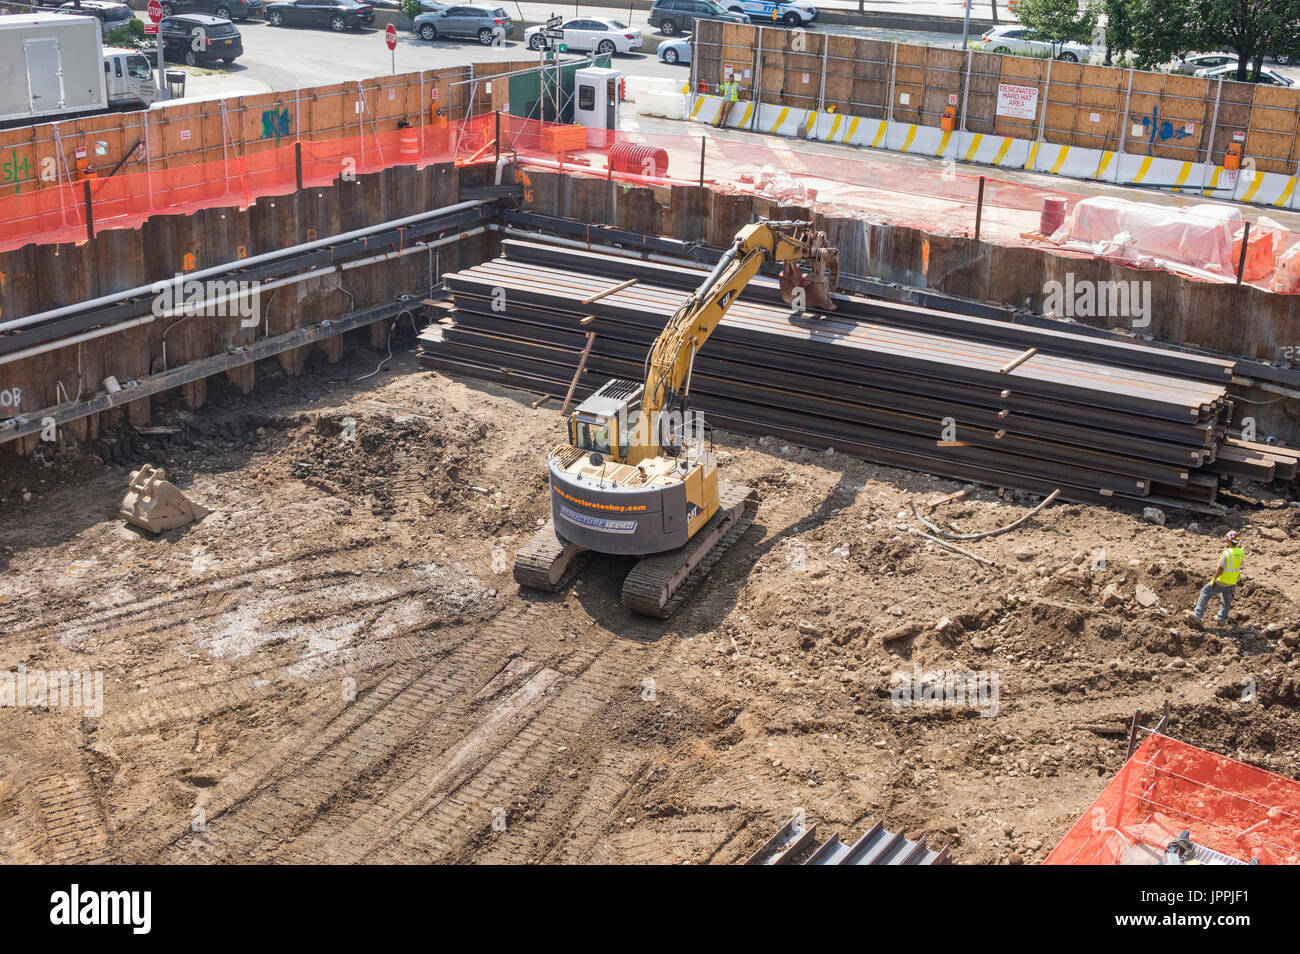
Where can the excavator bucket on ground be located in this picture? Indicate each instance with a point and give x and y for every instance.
(822, 278)
(155, 504)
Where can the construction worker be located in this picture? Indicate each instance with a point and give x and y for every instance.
(1224, 583)
(730, 96)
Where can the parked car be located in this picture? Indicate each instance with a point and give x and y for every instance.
(338, 15)
(775, 11)
(672, 17)
(486, 23)
(1267, 75)
(593, 34)
(1015, 40)
(1192, 62)
(197, 38)
(226, 9)
(110, 14)
(676, 51)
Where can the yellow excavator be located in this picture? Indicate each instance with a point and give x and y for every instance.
(637, 476)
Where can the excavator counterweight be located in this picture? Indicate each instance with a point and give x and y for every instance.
(638, 477)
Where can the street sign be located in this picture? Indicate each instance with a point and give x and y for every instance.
(553, 34)
(155, 11)
(151, 29)
(390, 37)
(554, 22)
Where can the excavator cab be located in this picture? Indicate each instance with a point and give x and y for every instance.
(605, 422)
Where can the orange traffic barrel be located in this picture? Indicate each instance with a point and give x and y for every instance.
(408, 146)
(1053, 215)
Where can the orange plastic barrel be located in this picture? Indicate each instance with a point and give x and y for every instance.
(408, 149)
(1053, 215)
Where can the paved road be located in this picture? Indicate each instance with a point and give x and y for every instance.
(289, 58)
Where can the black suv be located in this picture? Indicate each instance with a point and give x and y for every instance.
(676, 16)
(338, 15)
(195, 38)
(226, 9)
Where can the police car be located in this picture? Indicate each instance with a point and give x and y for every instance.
(772, 11)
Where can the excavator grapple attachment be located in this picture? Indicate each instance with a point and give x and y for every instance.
(819, 282)
(155, 504)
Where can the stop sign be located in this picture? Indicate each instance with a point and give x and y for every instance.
(155, 10)
(390, 35)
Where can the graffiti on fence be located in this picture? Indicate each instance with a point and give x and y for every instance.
(275, 123)
(1159, 131)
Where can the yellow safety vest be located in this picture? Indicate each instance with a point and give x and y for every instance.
(1233, 557)
(734, 91)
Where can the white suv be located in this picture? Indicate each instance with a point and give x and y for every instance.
(1015, 39)
(764, 12)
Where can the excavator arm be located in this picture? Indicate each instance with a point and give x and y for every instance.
(672, 356)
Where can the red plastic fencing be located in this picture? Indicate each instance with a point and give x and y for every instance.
(938, 200)
(1169, 787)
(58, 213)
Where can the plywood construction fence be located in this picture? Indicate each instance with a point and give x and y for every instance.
(215, 130)
(1186, 118)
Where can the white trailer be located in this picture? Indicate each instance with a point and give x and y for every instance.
(53, 66)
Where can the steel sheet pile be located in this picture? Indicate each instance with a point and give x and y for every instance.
(947, 394)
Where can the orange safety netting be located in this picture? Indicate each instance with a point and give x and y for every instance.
(58, 213)
(1169, 787)
(934, 199)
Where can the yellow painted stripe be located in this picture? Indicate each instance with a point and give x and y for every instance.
(699, 101)
(1143, 169)
(781, 117)
(1183, 173)
(853, 127)
(1285, 197)
(1106, 157)
(686, 88)
(974, 147)
(880, 134)
(749, 111)
(1214, 181)
(835, 124)
(943, 143)
(1060, 160)
(810, 122)
(1003, 150)
(907, 142)
(1033, 156)
(1255, 183)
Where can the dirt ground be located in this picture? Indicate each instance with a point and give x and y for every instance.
(335, 665)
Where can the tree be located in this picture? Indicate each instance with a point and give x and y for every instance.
(1119, 27)
(1161, 30)
(1057, 21)
(1249, 28)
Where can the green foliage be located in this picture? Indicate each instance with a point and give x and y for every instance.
(412, 8)
(1249, 28)
(1160, 30)
(1119, 25)
(130, 36)
(1057, 21)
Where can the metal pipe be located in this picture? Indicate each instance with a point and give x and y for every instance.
(221, 299)
(232, 266)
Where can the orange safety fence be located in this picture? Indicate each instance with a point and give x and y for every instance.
(1168, 787)
(937, 200)
(58, 213)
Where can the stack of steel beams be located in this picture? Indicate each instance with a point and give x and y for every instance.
(948, 394)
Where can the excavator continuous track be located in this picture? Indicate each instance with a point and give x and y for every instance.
(548, 563)
(659, 584)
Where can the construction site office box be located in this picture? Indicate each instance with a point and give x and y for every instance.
(598, 92)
